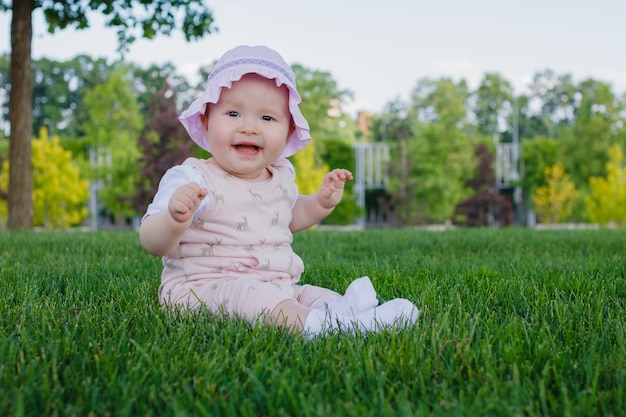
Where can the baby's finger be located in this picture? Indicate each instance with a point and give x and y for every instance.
(346, 175)
(342, 174)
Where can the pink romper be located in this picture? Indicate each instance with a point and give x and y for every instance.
(237, 254)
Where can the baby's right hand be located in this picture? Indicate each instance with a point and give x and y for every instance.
(185, 201)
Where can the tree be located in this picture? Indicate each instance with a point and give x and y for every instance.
(321, 106)
(340, 154)
(486, 207)
(443, 160)
(163, 144)
(149, 83)
(607, 201)
(131, 18)
(394, 127)
(20, 200)
(538, 154)
(441, 150)
(530, 124)
(493, 105)
(557, 97)
(598, 119)
(58, 92)
(321, 103)
(554, 201)
(59, 193)
(310, 176)
(115, 123)
(333, 133)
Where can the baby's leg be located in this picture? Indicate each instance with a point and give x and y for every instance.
(246, 298)
(314, 296)
(289, 314)
(359, 297)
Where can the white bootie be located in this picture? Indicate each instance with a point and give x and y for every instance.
(358, 310)
(396, 313)
(359, 296)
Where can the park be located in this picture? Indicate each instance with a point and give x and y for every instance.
(499, 215)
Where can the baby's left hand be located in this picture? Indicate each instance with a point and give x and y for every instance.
(331, 191)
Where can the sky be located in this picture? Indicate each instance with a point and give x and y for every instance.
(380, 49)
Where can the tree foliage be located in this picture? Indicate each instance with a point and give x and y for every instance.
(340, 154)
(432, 137)
(607, 201)
(309, 176)
(113, 128)
(321, 103)
(162, 144)
(554, 201)
(59, 192)
(440, 148)
(538, 154)
(131, 18)
(156, 80)
(493, 105)
(486, 207)
(556, 95)
(332, 131)
(598, 119)
(59, 89)
(394, 127)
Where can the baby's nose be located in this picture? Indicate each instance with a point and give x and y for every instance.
(249, 126)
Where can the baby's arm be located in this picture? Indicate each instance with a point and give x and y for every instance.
(160, 232)
(311, 209)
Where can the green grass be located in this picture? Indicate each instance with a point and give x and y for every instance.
(515, 323)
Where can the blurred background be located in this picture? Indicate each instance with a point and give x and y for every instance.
(457, 113)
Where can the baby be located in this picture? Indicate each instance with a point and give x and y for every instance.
(224, 225)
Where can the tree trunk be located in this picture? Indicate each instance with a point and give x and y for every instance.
(20, 117)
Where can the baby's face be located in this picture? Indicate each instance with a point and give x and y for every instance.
(248, 128)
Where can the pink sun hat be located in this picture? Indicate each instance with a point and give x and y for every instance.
(231, 67)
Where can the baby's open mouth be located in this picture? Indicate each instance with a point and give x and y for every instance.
(247, 148)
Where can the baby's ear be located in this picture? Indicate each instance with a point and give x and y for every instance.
(204, 117)
(292, 128)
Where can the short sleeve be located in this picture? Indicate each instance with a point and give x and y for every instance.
(173, 179)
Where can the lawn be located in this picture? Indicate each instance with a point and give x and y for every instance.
(514, 322)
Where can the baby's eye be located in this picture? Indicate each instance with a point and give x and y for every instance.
(233, 113)
(267, 118)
